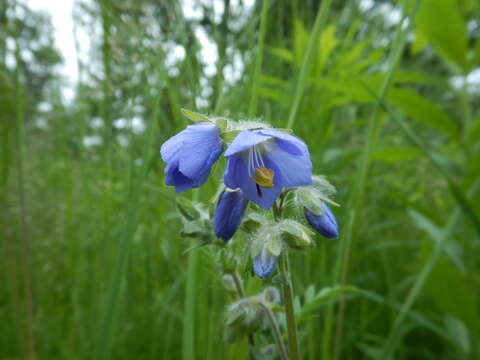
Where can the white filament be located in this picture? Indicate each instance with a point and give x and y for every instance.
(254, 160)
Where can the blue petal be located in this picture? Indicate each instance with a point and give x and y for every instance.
(325, 224)
(245, 140)
(236, 176)
(169, 150)
(202, 146)
(288, 142)
(229, 213)
(173, 177)
(294, 170)
(264, 264)
(190, 155)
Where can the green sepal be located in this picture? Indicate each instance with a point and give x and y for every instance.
(267, 239)
(222, 123)
(228, 136)
(309, 198)
(194, 116)
(192, 229)
(295, 234)
(274, 245)
(187, 209)
(287, 131)
(252, 222)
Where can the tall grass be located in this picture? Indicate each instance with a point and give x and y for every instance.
(91, 257)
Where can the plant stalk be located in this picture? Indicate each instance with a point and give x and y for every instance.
(241, 295)
(287, 289)
(276, 332)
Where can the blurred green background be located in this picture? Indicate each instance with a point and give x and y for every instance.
(385, 93)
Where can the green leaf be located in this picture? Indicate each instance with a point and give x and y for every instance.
(275, 95)
(452, 292)
(275, 81)
(326, 44)
(451, 249)
(352, 55)
(476, 55)
(419, 108)
(412, 77)
(441, 23)
(395, 154)
(283, 54)
(324, 295)
(194, 116)
(300, 41)
(419, 43)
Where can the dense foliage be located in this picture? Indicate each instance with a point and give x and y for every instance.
(386, 94)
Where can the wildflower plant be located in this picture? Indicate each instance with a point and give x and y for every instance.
(268, 197)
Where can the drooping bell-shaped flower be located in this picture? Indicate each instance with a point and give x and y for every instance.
(190, 155)
(262, 162)
(325, 224)
(264, 264)
(228, 213)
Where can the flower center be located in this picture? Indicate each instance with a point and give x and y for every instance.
(257, 170)
(263, 176)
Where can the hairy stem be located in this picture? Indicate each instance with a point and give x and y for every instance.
(241, 294)
(276, 332)
(289, 312)
(287, 289)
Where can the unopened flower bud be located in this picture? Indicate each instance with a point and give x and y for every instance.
(325, 224)
(229, 213)
(264, 264)
(296, 235)
(271, 295)
(187, 209)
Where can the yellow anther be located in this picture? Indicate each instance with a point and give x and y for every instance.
(264, 177)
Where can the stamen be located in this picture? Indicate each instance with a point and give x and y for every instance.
(251, 165)
(264, 177)
(258, 172)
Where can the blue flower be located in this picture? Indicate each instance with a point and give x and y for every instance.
(264, 264)
(325, 224)
(229, 213)
(262, 162)
(190, 154)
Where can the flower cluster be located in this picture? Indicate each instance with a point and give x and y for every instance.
(261, 163)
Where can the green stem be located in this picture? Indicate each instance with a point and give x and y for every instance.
(287, 289)
(241, 294)
(467, 115)
(320, 22)
(276, 332)
(189, 319)
(374, 128)
(188, 346)
(258, 61)
(108, 322)
(289, 312)
(25, 243)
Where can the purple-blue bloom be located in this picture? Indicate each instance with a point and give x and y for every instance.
(190, 154)
(262, 162)
(229, 213)
(325, 224)
(264, 264)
